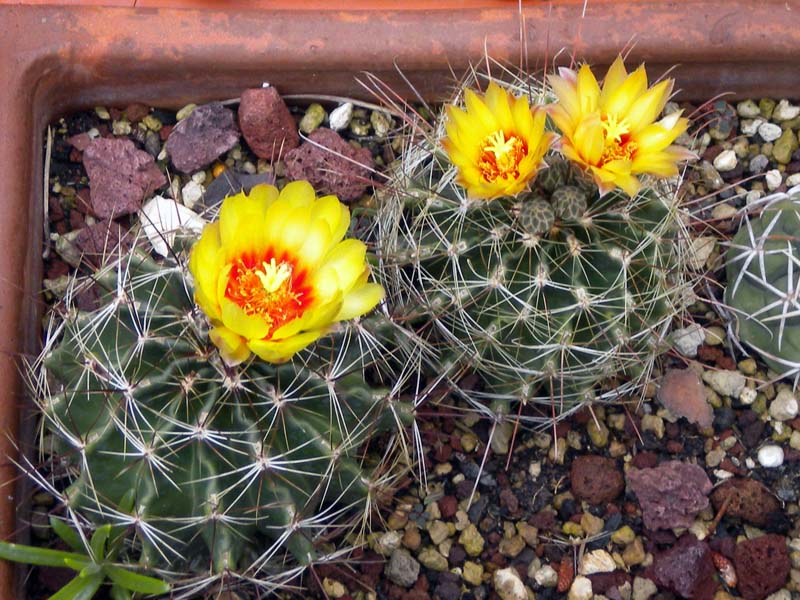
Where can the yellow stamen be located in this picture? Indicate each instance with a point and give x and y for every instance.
(618, 145)
(615, 129)
(501, 156)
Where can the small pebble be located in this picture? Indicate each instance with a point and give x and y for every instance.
(185, 112)
(597, 561)
(508, 585)
(724, 382)
(688, 339)
(546, 576)
(785, 111)
(773, 179)
(472, 573)
(747, 109)
(748, 395)
(769, 132)
(784, 407)
(643, 588)
(770, 456)
(726, 161)
(313, 118)
(581, 589)
(750, 128)
(341, 116)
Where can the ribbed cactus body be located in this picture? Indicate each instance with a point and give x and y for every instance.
(544, 295)
(227, 463)
(763, 284)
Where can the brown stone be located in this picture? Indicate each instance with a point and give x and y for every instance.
(331, 165)
(686, 569)
(762, 565)
(596, 479)
(670, 494)
(747, 499)
(266, 123)
(197, 141)
(683, 394)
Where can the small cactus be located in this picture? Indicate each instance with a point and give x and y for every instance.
(763, 284)
(545, 294)
(230, 466)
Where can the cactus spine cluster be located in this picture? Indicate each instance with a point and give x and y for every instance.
(545, 294)
(763, 283)
(230, 466)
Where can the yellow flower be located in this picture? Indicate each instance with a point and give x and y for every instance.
(274, 272)
(497, 144)
(612, 132)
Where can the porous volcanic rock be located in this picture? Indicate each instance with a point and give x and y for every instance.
(762, 565)
(747, 499)
(670, 494)
(331, 165)
(120, 176)
(196, 141)
(596, 479)
(266, 123)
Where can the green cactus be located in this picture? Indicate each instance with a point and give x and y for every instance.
(763, 284)
(544, 295)
(230, 466)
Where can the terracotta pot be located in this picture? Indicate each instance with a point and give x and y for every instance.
(57, 59)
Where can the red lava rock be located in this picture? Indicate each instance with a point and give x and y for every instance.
(685, 569)
(747, 499)
(544, 520)
(726, 363)
(448, 505)
(602, 582)
(762, 565)
(442, 453)
(76, 220)
(670, 494)
(752, 433)
(101, 241)
(120, 177)
(164, 132)
(566, 573)
(596, 479)
(509, 501)
(331, 165)
(266, 123)
(201, 137)
(683, 394)
(57, 268)
(674, 447)
(136, 112)
(645, 460)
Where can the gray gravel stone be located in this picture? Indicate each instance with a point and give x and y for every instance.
(402, 568)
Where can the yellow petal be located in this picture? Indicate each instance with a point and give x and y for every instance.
(232, 347)
(318, 242)
(334, 213)
(589, 138)
(298, 194)
(649, 105)
(613, 80)
(278, 352)
(567, 98)
(360, 301)
(205, 263)
(620, 99)
(294, 230)
(346, 262)
(497, 101)
(477, 110)
(587, 89)
(241, 224)
(248, 326)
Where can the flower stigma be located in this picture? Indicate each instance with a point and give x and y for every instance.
(501, 156)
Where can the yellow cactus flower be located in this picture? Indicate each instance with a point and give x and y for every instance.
(274, 272)
(497, 143)
(612, 131)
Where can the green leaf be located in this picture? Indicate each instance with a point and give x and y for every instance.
(79, 589)
(39, 556)
(136, 582)
(67, 533)
(118, 593)
(90, 570)
(98, 543)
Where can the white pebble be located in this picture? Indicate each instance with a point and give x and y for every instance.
(751, 127)
(773, 179)
(785, 111)
(581, 589)
(199, 177)
(688, 339)
(770, 456)
(784, 407)
(769, 132)
(724, 382)
(749, 463)
(793, 180)
(546, 577)
(702, 247)
(508, 585)
(722, 474)
(341, 116)
(753, 196)
(747, 395)
(725, 161)
(597, 561)
(748, 109)
(191, 193)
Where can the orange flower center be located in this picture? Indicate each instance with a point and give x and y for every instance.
(270, 289)
(501, 155)
(618, 143)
